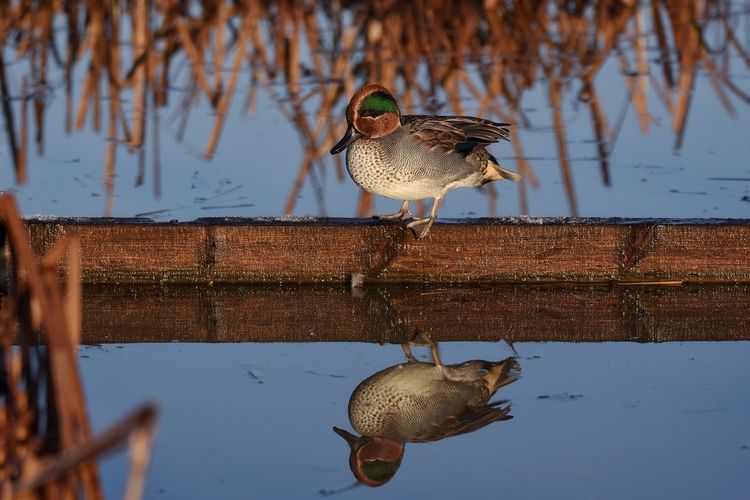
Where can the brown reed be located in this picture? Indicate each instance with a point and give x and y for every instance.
(431, 52)
(47, 449)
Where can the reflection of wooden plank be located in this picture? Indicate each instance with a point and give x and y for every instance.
(478, 250)
(396, 313)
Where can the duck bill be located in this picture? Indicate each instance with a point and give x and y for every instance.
(350, 438)
(350, 136)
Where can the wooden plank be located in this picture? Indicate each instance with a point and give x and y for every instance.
(503, 250)
(395, 314)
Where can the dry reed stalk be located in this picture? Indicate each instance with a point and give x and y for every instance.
(729, 32)
(38, 126)
(42, 287)
(611, 32)
(195, 57)
(139, 425)
(58, 460)
(507, 45)
(523, 166)
(259, 44)
(664, 50)
(83, 101)
(420, 208)
(71, 10)
(365, 204)
(291, 56)
(92, 41)
(96, 99)
(299, 181)
(191, 97)
(141, 172)
(21, 172)
(555, 93)
(251, 99)
(111, 152)
(485, 100)
(339, 69)
(45, 16)
(10, 125)
(664, 93)
(686, 82)
(641, 78)
(156, 147)
(716, 79)
(140, 48)
(312, 138)
(492, 198)
(223, 106)
(602, 132)
(333, 136)
(310, 31)
(221, 18)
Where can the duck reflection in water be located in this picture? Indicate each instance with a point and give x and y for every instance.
(418, 402)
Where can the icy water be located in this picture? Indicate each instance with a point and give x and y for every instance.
(590, 420)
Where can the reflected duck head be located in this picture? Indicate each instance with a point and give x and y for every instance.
(373, 460)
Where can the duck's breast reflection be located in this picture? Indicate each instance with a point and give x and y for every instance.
(419, 401)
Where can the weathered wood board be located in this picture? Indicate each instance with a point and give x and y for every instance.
(284, 313)
(502, 250)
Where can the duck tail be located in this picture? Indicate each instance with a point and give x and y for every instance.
(502, 373)
(495, 172)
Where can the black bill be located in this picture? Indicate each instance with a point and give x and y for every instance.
(350, 136)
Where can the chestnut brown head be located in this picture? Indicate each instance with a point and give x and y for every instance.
(372, 112)
(373, 460)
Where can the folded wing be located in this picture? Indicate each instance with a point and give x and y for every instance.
(460, 134)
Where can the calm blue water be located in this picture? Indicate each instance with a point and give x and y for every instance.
(615, 420)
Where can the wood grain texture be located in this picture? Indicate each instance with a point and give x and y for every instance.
(517, 250)
(395, 314)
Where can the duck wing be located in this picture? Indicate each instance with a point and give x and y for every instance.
(472, 419)
(460, 134)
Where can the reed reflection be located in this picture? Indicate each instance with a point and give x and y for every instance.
(307, 57)
(420, 402)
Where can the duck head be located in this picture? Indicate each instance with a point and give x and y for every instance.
(373, 460)
(372, 112)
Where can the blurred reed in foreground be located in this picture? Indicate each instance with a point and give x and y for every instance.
(308, 57)
(46, 446)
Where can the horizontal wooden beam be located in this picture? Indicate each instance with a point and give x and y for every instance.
(395, 314)
(503, 250)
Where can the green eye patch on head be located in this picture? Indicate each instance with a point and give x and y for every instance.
(380, 471)
(376, 104)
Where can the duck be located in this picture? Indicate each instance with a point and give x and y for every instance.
(419, 402)
(416, 157)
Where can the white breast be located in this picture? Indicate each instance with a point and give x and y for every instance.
(397, 168)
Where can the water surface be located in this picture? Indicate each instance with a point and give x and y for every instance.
(591, 420)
